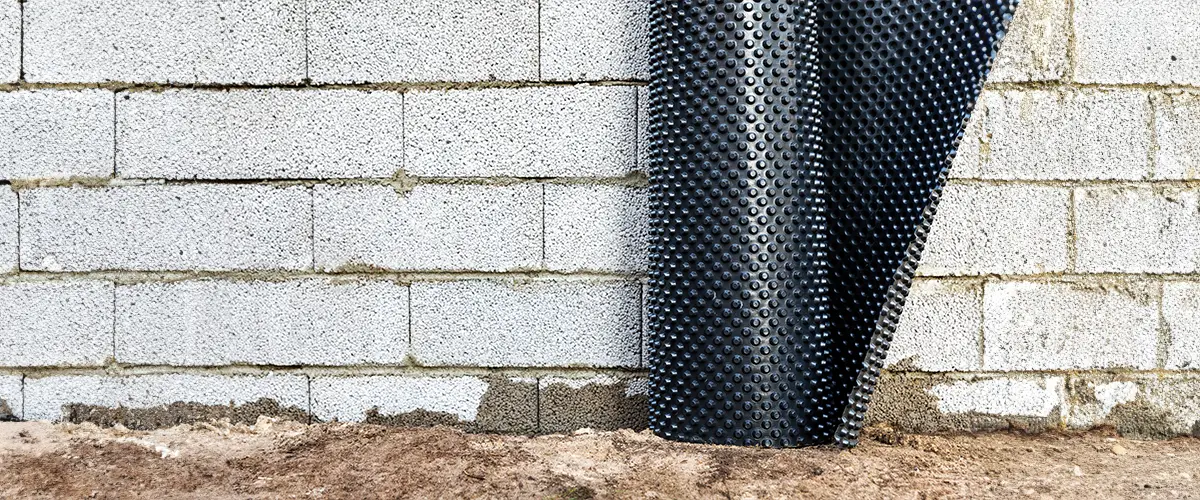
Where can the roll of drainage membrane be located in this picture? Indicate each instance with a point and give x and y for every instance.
(798, 149)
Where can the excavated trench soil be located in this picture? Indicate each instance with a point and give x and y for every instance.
(287, 460)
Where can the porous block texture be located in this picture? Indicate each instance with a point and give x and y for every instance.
(526, 323)
(602, 228)
(164, 41)
(56, 323)
(8, 231)
(285, 323)
(941, 328)
(56, 133)
(10, 397)
(1181, 314)
(1035, 48)
(492, 403)
(1137, 41)
(1177, 134)
(194, 227)
(1138, 230)
(259, 134)
(10, 41)
(601, 402)
(595, 39)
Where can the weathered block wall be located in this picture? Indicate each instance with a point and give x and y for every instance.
(432, 211)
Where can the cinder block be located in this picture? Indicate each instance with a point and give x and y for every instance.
(916, 402)
(8, 231)
(1181, 312)
(165, 400)
(197, 227)
(432, 227)
(422, 40)
(1137, 230)
(595, 40)
(1103, 323)
(298, 322)
(578, 131)
(599, 228)
(259, 133)
(176, 41)
(498, 323)
(1035, 48)
(491, 404)
(967, 157)
(939, 330)
(56, 323)
(644, 141)
(1137, 41)
(56, 133)
(1011, 229)
(1141, 406)
(10, 41)
(1177, 129)
(1046, 134)
(603, 402)
(10, 397)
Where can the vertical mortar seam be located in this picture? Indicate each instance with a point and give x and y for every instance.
(537, 405)
(1072, 232)
(545, 264)
(304, 37)
(18, 196)
(1152, 123)
(1164, 331)
(114, 134)
(982, 340)
(312, 228)
(114, 320)
(308, 384)
(539, 40)
(21, 50)
(410, 320)
(22, 392)
(1071, 50)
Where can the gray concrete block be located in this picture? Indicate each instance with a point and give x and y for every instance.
(1140, 406)
(56, 133)
(940, 328)
(595, 40)
(10, 397)
(165, 400)
(498, 323)
(914, 402)
(259, 133)
(644, 141)
(1035, 48)
(1011, 229)
(1181, 314)
(491, 404)
(1095, 324)
(10, 41)
(578, 131)
(1137, 230)
(8, 231)
(297, 322)
(1137, 41)
(422, 40)
(598, 228)
(601, 402)
(198, 227)
(1177, 134)
(432, 227)
(1046, 135)
(56, 323)
(176, 41)
(967, 159)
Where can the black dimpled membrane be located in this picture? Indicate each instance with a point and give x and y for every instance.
(798, 150)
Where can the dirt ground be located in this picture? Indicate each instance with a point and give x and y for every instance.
(287, 460)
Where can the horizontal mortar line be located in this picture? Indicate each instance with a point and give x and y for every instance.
(133, 277)
(1063, 277)
(118, 86)
(634, 179)
(1158, 372)
(1062, 85)
(318, 371)
(1081, 183)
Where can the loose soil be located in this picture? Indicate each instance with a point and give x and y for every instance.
(273, 459)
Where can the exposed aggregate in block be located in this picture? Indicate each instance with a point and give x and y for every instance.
(297, 322)
(1177, 135)
(56, 133)
(1138, 230)
(1070, 325)
(1137, 41)
(10, 397)
(603, 402)
(576, 131)
(940, 328)
(1140, 406)
(164, 41)
(8, 231)
(432, 227)
(152, 401)
(194, 227)
(490, 404)
(422, 40)
(595, 39)
(1011, 229)
(56, 323)
(1065, 135)
(949, 403)
(1035, 47)
(599, 228)
(10, 41)
(500, 323)
(1181, 315)
(259, 134)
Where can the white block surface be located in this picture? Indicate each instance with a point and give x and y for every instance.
(1181, 315)
(1138, 230)
(599, 228)
(348, 399)
(1177, 133)
(940, 328)
(56, 323)
(1013, 397)
(56, 133)
(595, 40)
(1137, 41)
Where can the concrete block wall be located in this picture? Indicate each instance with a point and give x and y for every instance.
(433, 212)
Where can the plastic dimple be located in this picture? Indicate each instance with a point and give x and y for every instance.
(798, 150)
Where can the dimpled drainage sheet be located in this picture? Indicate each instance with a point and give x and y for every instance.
(798, 149)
